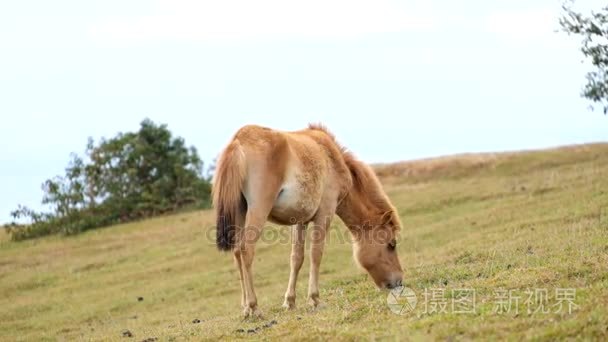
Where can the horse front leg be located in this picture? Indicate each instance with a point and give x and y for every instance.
(298, 237)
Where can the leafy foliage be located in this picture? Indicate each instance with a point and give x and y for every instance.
(128, 177)
(594, 30)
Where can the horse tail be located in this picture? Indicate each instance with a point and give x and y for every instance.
(228, 199)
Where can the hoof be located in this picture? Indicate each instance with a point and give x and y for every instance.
(287, 305)
(249, 312)
(317, 306)
(315, 302)
(290, 302)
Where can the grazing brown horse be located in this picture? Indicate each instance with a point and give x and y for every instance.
(295, 178)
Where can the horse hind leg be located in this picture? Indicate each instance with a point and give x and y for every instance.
(254, 222)
(240, 222)
(264, 182)
(262, 194)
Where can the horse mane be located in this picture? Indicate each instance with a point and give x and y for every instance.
(365, 183)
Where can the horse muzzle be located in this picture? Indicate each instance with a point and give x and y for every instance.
(393, 284)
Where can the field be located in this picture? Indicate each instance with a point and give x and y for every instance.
(480, 231)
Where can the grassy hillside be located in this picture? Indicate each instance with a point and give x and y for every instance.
(529, 221)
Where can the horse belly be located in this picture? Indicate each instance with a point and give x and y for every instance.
(296, 202)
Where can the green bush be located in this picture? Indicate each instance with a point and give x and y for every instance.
(129, 177)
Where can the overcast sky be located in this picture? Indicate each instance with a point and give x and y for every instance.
(394, 80)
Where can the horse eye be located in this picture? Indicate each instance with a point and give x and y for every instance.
(392, 245)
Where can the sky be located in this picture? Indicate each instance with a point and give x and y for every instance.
(394, 80)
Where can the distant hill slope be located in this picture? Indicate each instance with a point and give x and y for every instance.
(502, 162)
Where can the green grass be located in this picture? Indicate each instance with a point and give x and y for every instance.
(516, 221)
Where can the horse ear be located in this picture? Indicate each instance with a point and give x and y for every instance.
(387, 218)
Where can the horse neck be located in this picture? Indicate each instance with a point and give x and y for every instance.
(365, 202)
(357, 213)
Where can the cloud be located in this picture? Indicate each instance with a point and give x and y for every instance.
(191, 20)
